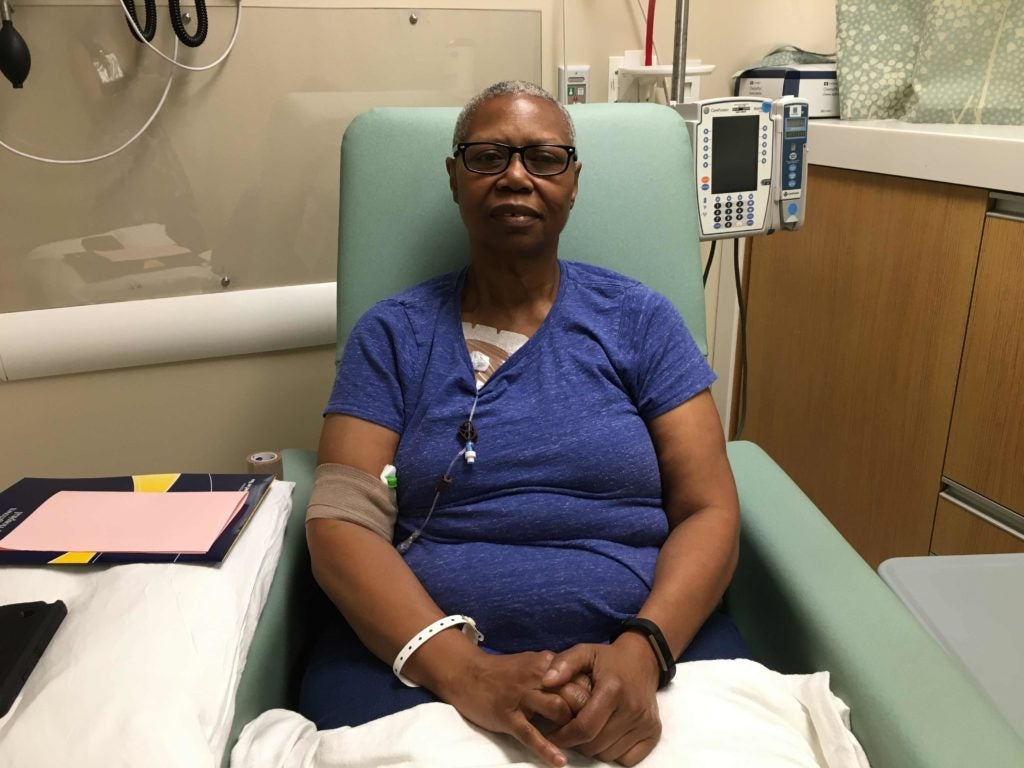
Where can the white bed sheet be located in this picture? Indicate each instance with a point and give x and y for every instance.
(144, 669)
(716, 714)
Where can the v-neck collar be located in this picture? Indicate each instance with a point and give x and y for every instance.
(523, 353)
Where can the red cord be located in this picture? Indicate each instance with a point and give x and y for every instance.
(649, 42)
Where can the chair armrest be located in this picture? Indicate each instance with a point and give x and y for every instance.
(806, 601)
(271, 674)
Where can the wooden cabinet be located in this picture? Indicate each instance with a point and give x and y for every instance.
(856, 326)
(984, 468)
(986, 438)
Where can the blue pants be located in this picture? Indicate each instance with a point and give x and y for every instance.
(345, 684)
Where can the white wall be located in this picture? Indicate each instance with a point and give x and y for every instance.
(208, 415)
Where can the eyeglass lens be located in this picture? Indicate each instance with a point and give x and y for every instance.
(540, 159)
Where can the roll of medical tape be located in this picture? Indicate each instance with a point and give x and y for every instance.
(265, 463)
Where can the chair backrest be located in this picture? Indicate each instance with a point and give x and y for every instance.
(635, 212)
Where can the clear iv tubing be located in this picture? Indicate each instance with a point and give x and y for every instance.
(138, 133)
(174, 61)
(404, 546)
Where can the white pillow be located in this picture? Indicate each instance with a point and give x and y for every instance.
(144, 669)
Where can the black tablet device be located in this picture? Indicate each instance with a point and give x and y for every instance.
(25, 631)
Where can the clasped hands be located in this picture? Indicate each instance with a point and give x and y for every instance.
(596, 699)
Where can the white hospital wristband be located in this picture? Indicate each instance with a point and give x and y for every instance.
(468, 628)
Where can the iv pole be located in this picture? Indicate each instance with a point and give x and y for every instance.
(679, 52)
(738, 330)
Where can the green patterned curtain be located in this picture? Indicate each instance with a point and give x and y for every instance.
(932, 61)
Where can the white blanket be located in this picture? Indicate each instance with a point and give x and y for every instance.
(715, 713)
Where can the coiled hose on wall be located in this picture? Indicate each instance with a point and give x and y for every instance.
(148, 31)
(192, 41)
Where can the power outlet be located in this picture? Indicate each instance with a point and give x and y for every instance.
(574, 84)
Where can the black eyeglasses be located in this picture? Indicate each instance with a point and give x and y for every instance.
(491, 158)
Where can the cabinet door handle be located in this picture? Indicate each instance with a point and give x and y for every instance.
(1003, 205)
(984, 508)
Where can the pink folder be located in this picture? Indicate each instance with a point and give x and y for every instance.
(183, 522)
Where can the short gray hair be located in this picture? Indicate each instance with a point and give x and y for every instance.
(507, 88)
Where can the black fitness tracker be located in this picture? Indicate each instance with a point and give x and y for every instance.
(650, 630)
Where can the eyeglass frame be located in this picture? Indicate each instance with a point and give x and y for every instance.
(460, 149)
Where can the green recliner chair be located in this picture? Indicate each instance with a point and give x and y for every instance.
(804, 600)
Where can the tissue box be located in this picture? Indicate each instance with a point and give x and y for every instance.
(814, 82)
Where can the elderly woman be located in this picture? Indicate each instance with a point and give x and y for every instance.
(562, 482)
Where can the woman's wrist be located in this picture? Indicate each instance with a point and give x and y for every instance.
(656, 641)
(446, 665)
(646, 663)
(430, 632)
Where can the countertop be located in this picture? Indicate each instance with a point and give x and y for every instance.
(971, 605)
(989, 156)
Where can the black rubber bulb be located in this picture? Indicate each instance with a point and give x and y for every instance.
(15, 61)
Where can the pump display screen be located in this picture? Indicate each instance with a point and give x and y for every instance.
(734, 154)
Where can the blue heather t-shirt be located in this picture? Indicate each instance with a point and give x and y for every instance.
(551, 537)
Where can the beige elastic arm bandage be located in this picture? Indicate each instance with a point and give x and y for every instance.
(344, 493)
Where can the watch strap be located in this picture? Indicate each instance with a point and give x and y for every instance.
(651, 631)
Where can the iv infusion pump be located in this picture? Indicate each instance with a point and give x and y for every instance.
(750, 164)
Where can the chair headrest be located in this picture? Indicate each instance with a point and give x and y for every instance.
(635, 212)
